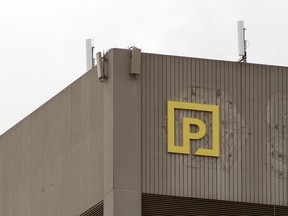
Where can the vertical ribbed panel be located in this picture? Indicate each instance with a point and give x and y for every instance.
(253, 101)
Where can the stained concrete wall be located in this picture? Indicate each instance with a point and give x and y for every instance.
(81, 147)
(51, 163)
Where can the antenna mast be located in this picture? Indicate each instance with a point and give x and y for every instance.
(89, 55)
(242, 42)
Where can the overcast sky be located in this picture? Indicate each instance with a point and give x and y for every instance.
(42, 43)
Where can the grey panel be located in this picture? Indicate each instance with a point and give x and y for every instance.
(253, 101)
(51, 162)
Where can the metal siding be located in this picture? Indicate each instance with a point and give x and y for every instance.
(252, 166)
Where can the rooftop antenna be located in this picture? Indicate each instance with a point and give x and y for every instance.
(90, 61)
(242, 42)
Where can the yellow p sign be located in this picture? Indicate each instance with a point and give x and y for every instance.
(186, 134)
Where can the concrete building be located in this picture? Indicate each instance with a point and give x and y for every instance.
(188, 136)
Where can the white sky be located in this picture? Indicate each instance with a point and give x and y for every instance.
(42, 43)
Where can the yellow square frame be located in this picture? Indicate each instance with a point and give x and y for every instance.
(172, 148)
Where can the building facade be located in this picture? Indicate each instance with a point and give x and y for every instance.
(102, 148)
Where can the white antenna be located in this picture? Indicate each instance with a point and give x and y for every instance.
(89, 54)
(241, 42)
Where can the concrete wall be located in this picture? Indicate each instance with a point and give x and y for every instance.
(253, 101)
(122, 137)
(108, 141)
(81, 147)
(51, 163)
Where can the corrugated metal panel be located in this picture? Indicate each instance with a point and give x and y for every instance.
(163, 205)
(253, 101)
(97, 210)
